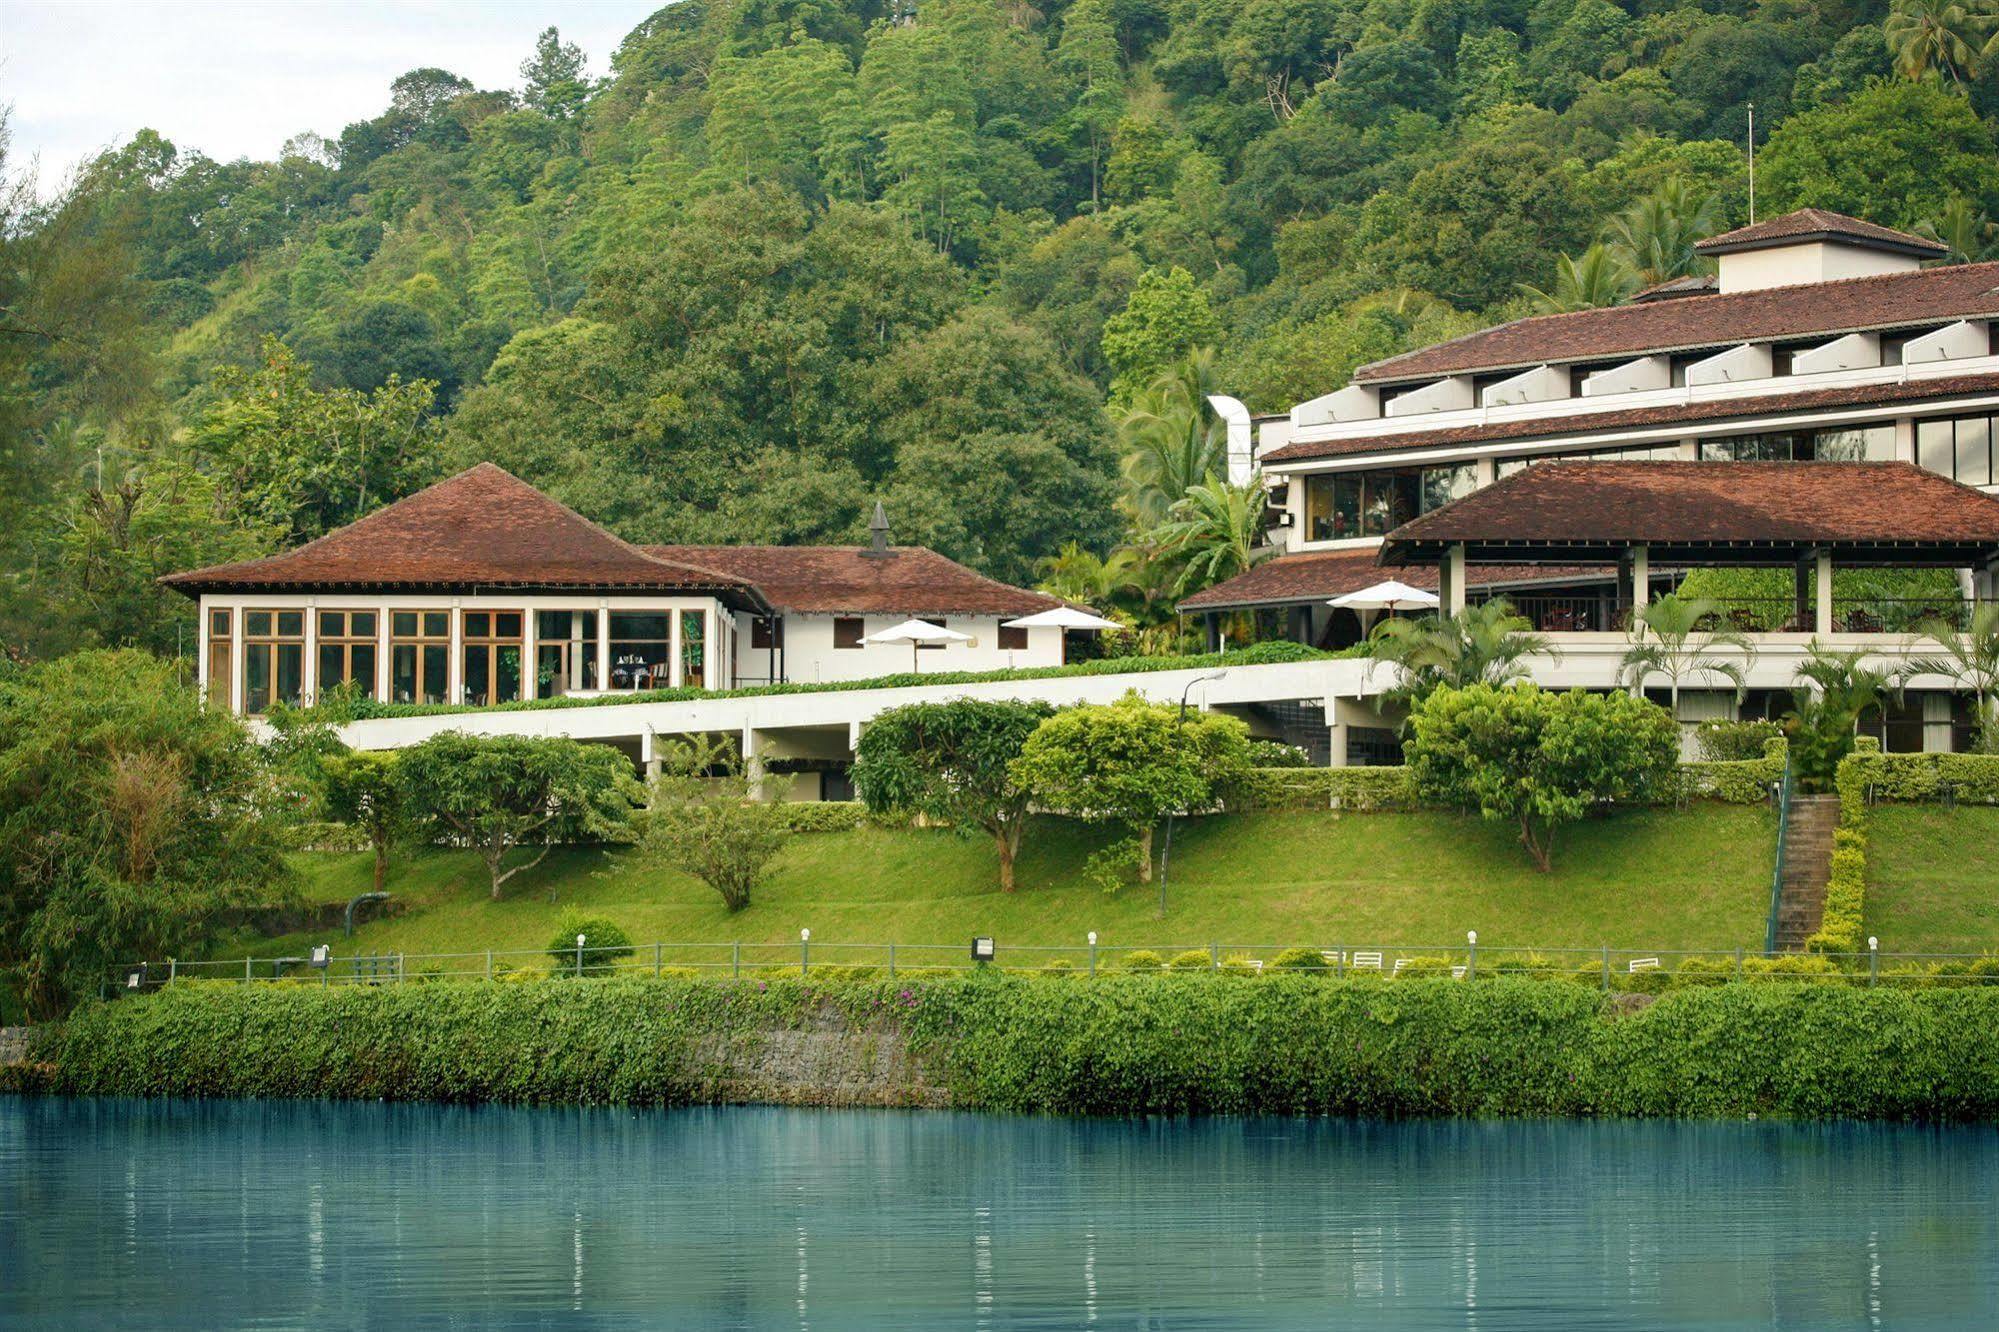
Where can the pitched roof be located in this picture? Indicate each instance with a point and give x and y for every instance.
(1318, 575)
(1722, 508)
(1888, 300)
(481, 528)
(1586, 423)
(844, 579)
(1819, 224)
(1693, 284)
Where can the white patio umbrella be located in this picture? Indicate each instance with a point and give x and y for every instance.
(918, 634)
(1064, 618)
(1392, 595)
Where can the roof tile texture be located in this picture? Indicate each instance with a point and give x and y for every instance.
(911, 580)
(1816, 222)
(1320, 575)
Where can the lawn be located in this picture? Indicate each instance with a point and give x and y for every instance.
(1649, 880)
(1933, 878)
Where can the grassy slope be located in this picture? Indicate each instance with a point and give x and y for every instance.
(1933, 878)
(1698, 879)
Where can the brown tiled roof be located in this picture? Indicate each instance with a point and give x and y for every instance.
(481, 528)
(1319, 575)
(1693, 284)
(1719, 409)
(1889, 300)
(1673, 505)
(1811, 224)
(842, 579)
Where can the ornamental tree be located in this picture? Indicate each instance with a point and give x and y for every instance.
(362, 792)
(499, 792)
(1540, 759)
(1132, 763)
(952, 762)
(705, 820)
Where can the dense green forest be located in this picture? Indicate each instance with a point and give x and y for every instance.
(975, 258)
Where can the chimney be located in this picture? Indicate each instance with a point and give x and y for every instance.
(878, 535)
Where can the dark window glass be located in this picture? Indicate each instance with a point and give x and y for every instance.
(1012, 639)
(766, 632)
(332, 665)
(634, 626)
(693, 649)
(478, 624)
(402, 624)
(218, 623)
(332, 624)
(257, 623)
(291, 624)
(848, 630)
(507, 624)
(361, 624)
(437, 624)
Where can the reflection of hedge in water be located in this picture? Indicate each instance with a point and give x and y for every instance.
(1165, 1042)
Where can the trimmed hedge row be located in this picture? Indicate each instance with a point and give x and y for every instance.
(1331, 788)
(1169, 1042)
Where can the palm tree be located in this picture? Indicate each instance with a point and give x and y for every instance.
(1169, 438)
(1668, 638)
(1971, 235)
(1483, 644)
(1654, 238)
(1835, 689)
(1217, 530)
(1083, 577)
(1970, 660)
(1941, 38)
(1599, 277)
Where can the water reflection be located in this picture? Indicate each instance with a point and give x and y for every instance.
(124, 1214)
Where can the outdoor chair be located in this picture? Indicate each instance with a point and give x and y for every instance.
(1400, 963)
(1333, 958)
(1639, 964)
(1366, 961)
(1458, 973)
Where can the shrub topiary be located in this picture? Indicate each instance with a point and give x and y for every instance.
(1429, 968)
(1238, 964)
(1299, 959)
(1194, 959)
(1734, 741)
(605, 945)
(1059, 966)
(1144, 959)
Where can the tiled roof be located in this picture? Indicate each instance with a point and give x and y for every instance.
(1319, 575)
(1718, 409)
(843, 579)
(1889, 300)
(1668, 504)
(482, 527)
(1811, 224)
(1694, 284)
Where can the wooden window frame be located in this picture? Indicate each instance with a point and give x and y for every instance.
(850, 628)
(343, 640)
(269, 640)
(480, 632)
(419, 641)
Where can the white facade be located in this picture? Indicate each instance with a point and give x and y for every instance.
(811, 651)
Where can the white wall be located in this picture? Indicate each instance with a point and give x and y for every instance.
(1817, 261)
(809, 655)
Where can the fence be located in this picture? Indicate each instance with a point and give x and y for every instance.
(1623, 969)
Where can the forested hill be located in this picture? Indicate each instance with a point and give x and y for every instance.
(788, 256)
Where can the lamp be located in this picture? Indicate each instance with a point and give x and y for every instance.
(982, 950)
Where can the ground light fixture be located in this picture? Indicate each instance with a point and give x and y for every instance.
(804, 951)
(982, 950)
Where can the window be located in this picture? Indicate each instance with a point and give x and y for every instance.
(641, 650)
(491, 643)
(347, 650)
(1365, 504)
(220, 623)
(1875, 443)
(766, 632)
(848, 630)
(419, 655)
(565, 652)
(1960, 448)
(694, 649)
(1012, 639)
(273, 659)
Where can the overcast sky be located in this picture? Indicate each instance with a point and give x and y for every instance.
(236, 79)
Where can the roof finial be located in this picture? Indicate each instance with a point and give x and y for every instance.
(878, 533)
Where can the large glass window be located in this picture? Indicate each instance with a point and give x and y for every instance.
(348, 648)
(273, 659)
(220, 623)
(491, 644)
(565, 650)
(419, 656)
(641, 650)
(1365, 504)
(694, 649)
(1960, 447)
(1875, 443)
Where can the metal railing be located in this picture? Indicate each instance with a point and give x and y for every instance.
(1777, 874)
(1607, 967)
(1609, 612)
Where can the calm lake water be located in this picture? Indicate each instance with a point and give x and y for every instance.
(223, 1215)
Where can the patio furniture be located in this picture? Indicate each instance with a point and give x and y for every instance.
(1366, 961)
(1639, 964)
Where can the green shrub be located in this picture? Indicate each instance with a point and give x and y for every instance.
(1277, 754)
(1642, 982)
(1194, 959)
(1329, 788)
(1059, 966)
(1843, 926)
(1792, 967)
(1143, 959)
(1425, 968)
(1299, 959)
(1239, 964)
(605, 945)
(1735, 741)
(823, 816)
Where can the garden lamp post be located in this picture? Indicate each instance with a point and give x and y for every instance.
(1166, 854)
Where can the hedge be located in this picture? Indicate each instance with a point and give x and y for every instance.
(1159, 1042)
(1733, 781)
(1331, 788)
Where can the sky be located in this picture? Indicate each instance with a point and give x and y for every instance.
(236, 79)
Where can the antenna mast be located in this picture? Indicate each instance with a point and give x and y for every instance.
(1752, 162)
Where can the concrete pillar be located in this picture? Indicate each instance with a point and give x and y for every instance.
(383, 665)
(236, 660)
(1338, 734)
(603, 681)
(308, 676)
(673, 647)
(753, 762)
(454, 669)
(1905, 439)
(1452, 576)
(1690, 451)
(1822, 612)
(1485, 471)
(201, 648)
(530, 651)
(1641, 578)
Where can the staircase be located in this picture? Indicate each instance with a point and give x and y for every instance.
(1300, 723)
(1807, 852)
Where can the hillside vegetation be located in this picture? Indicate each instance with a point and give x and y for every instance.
(769, 260)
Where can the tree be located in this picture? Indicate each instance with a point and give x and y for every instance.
(1654, 238)
(1538, 759)
(1969, 659)
(1488, 643)
(1131, 763)
(131, 818)
(952, 762)
(1216, 529)
(1088, 53)
(555, 79)
(1672, 637)
(362, 792)
(1170, 439)
(1834, 690)
(605, 944)
(705, 819)
(1599, 277)
(1971, 235)
(497, 793)
(1167, 317)
(1938, 38)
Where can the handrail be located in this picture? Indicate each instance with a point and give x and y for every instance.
(1777, 874)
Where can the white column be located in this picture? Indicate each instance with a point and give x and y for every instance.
(1337, 735)
(1641, 577)
(236, 660)
(673, 646)
(1905, 439)
(1690, 451)
(603, 645)
(529, 640)
(1484, 471)
(1822, 617)
(454, 669)
(308, 676)
(753, 762)
(383, 666)
(201, 648)
(1455, 576)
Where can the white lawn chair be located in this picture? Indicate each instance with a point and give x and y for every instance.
(1400, 963)
(1457, 973)
(1256, 964)
(1639, 964)
(1333, 958)
(1367, 962)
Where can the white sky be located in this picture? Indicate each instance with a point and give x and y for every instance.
(236, 79)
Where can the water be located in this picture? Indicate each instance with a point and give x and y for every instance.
(281, 1215)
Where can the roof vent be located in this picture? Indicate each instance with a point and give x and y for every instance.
(878, 535)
